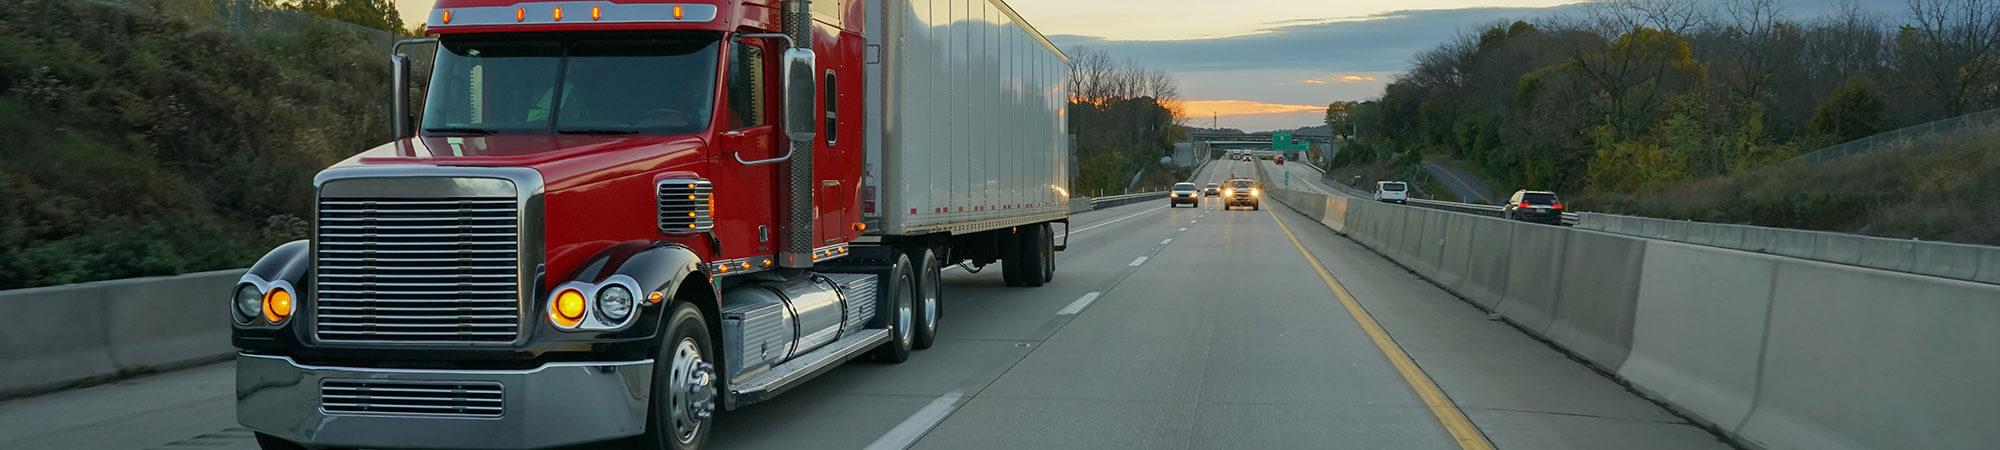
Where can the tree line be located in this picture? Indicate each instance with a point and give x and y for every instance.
(1124, 117)
(1635, 93)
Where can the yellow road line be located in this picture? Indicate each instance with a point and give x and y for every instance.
(1462, 183)
(1447, 413)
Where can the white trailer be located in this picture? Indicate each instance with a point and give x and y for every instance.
(966, 131)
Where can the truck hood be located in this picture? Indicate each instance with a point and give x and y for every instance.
(507, 150)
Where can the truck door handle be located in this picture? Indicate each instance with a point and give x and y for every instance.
(739, 158)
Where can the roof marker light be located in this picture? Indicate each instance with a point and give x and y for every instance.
(520, 14)
(596, 13)
(447, 16)
(677, 12)
(557, 15)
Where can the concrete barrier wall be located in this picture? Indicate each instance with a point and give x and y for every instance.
(1778, 352)
(1941, 259)
(1865, 358)
(1696, 340)
(1534, 273)
(1596, 295)
(95, 330)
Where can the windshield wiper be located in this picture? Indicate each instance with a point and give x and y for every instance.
(596, 131)
(461, 130)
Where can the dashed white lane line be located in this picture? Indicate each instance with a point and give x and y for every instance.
(1165, 241)
(1078, 305)
(906, 433)
(1183, 229)
(1137, 262)
(1079, 230)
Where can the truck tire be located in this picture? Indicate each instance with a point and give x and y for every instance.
(1033, 240)
(1010, 256)
(929, 306)
(1048, 253)
(681, 414)
(899, 319)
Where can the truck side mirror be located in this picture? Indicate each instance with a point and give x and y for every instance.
(801, 83)
(399, 101)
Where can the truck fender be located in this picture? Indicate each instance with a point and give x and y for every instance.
(658, 267)
(286, 263)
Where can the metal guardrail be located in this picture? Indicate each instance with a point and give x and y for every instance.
(1568, 219)
(1115, 200)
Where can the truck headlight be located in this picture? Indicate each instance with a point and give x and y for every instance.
(614, 303)
(249, 303)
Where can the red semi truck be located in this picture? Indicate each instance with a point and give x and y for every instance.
(611, 218)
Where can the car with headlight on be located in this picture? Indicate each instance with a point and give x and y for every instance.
(1241, 192)
(1212, 190)
(1184, 193)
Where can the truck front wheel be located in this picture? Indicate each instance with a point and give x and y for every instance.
(682, 414)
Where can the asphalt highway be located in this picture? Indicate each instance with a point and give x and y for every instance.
(1166, 328)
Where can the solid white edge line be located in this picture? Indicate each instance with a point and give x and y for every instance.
(906, 433)
(1078, 305)
(1137, 262)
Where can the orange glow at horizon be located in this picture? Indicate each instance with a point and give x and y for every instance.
(1241, 107)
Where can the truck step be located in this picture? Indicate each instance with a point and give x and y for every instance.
(792, 373)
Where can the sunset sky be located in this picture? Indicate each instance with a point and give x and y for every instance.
(1274, 64)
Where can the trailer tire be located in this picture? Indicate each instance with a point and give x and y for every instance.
(929, 306)
(1010, 256)
(1034, 240)
(1048, 252)
(683, 361)
(900, 321)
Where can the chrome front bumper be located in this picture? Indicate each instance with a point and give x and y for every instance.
(553, 405)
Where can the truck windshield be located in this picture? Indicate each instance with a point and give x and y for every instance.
(586, 85)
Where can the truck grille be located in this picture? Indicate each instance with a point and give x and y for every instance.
(434, 271)
(684, 206)
(411, 398)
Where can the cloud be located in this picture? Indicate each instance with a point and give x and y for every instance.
(1315, 81)
(1242, 107)
(1355, 78)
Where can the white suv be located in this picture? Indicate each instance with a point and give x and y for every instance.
(1392, 191)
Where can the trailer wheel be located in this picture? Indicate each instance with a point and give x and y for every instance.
(1010, 256)
(896, 303)
(1048, 252)
(1034, 241)
(681, 415)
(930, 297)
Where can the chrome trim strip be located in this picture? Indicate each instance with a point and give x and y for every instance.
(539, 369)
(543, 13)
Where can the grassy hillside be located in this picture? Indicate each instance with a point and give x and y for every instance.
(1941, 190)
(149, 139)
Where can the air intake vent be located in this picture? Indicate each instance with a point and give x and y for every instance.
(411, 398)
(684, 206)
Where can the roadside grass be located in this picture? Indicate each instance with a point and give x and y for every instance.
(1945, 188)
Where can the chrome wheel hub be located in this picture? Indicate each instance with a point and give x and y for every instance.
(690, 391)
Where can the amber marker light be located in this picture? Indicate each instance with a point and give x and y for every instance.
(568, 309)
(596, 13)
(557, 15)
(677, 12)
(447, 16)
(277, 305)
(655, 298)
(520, 14)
